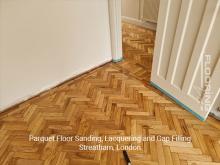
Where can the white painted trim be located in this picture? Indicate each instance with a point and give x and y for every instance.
(149, 20)
(145, 24)
(115, 28)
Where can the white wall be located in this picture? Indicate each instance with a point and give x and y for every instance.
(145, 10)
(150, 9)
(131, 8)
(44, 42)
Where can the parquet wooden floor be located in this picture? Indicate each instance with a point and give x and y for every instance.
(111, 100)
(138, 44)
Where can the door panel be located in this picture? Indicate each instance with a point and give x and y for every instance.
(185, 37)
(186, 55)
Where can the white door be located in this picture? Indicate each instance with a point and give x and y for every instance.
(186, 64)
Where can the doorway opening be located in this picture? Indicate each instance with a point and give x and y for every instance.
(139, 20)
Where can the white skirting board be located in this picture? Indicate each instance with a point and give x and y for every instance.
(145, 24)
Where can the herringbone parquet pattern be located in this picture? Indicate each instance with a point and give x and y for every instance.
(110, 100)
(138, 44)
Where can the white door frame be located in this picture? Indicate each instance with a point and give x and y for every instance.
(115, 29)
